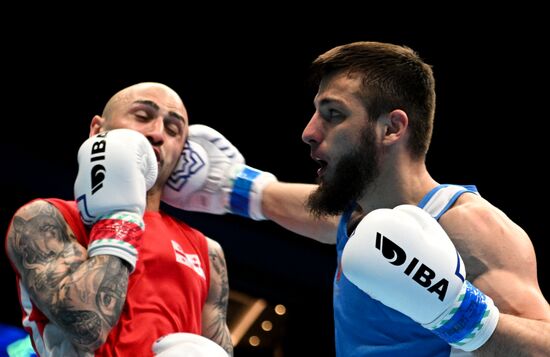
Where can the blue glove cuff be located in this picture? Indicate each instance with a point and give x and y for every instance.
(467, 318)
(239, 201)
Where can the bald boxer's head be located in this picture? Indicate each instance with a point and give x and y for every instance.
(127, 95)
(156, 111)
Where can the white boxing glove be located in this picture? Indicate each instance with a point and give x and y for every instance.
(187, 344)
(403, 258)
(211, 177)
(115, 170)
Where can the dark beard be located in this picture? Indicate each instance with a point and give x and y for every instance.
(353, 173)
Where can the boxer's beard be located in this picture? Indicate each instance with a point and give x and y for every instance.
(352, 175)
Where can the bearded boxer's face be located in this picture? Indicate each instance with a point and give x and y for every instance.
(349, 177)
(343, 141)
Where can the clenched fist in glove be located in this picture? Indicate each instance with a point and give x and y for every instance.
(211, 177)
(403, 258)
(115, 170)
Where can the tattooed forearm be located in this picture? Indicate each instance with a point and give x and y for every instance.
(83, 326)
(219, 276)
(91, 300)
(216, 329)
(83, 296)
(215, 310)
(111, 292)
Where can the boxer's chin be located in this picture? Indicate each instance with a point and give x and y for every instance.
(345, 183)
(333, 196)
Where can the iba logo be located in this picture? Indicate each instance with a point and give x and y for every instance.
(97, 176)
(421, 274)
(98, 155)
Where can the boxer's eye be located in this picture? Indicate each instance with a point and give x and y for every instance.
(142, 114)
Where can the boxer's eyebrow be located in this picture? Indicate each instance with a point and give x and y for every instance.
(148, 103)
(156, 107)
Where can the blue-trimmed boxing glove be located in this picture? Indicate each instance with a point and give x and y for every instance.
(211, 176)
(403, 258)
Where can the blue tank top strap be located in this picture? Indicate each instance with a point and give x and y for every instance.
(342, 236)
(442, 197)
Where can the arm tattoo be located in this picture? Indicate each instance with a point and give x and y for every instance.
(111, 292)
(43, 250)
(94, 299)
(83, 326)
(217, 262)
(82, 296)
(214, 324)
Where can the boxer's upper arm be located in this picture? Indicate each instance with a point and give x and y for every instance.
(44, 251)
(499, 258)
(214, 316)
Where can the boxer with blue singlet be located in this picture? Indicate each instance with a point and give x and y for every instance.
(423, 269)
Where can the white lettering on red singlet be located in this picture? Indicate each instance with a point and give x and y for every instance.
(190, 260)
